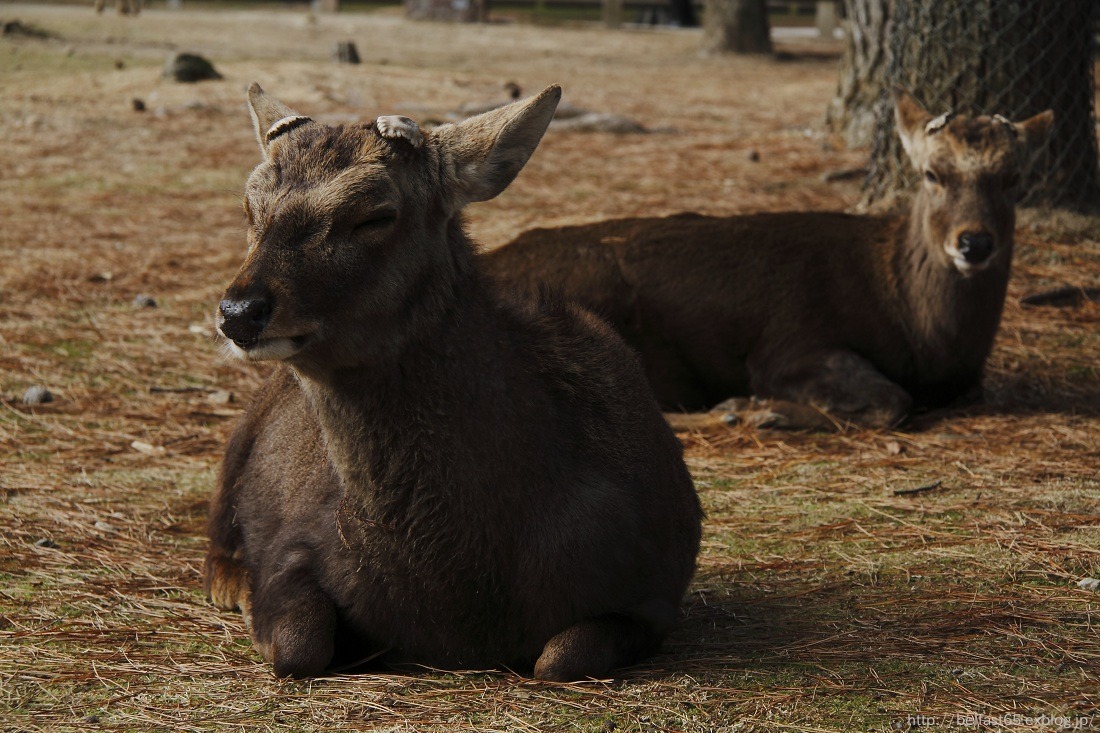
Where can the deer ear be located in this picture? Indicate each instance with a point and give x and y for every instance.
(1034, 131)
(911, 119)
(271, 117)
(483, 154)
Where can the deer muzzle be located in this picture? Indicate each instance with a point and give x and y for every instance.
(975, 247)
(242, 321)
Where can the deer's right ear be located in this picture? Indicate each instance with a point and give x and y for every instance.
(911, 119)
(485, 153)
(271, 117)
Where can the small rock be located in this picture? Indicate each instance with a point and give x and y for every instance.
(37, 395)
(189, 68)
(345, 52)
(893, 448)
(144, 301)
(45, 542)
(220, 397)
(147, 448)
(18, 28)
(137, 104)
(1089, 584)
(599, 122)
(753, 156)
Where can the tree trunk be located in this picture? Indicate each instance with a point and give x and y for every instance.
(975, 57)
(460, 11)
(737, 26)
(683, 13)
(862, 71)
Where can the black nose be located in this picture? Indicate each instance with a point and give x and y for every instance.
(243, 320)
(975, 247)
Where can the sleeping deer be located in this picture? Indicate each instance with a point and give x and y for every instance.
(860, 316)
(433, 474)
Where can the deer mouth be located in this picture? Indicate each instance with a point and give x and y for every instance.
(965, 266)
(269, 349)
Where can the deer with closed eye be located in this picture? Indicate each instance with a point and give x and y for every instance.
(828, 316)
(434, 474)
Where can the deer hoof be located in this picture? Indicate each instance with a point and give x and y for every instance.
(226, 583)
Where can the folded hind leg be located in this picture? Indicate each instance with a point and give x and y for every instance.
(294, 623)
(594, 647)
(839, 381)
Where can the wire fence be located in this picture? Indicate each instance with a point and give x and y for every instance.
(1010, 57)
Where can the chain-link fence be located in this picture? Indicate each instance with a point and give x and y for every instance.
(1010, 57)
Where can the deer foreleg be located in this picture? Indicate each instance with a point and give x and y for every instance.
(294, 623)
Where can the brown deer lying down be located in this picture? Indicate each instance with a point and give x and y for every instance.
(432, 473)
(860, 316)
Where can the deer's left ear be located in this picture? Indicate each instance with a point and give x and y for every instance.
(271, 118)
(483, 154)
(1034, 131)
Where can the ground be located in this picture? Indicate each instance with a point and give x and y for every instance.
(858, 581)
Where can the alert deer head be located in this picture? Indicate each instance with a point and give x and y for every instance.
(971, 169)
(353, 233)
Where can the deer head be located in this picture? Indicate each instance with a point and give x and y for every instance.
(971, 169)
(353, 230)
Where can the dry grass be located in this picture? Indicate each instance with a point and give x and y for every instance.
(837, 591)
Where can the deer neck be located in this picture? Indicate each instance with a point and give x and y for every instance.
(384, 422)
(947, 314)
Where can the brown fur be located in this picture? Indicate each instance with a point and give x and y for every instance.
(433, 473)
(861, 316)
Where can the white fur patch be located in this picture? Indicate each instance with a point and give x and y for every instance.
(938, 123)
(286, 124)
(265, 350)
(397, 127)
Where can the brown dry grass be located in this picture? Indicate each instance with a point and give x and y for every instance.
(825, 599)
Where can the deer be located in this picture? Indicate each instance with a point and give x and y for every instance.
(825, 319)
(433, 473)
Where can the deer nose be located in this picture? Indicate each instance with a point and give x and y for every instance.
(243, 320)
(975, 247)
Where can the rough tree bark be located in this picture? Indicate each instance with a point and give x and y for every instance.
(974, 57)
(737, 26)
(862, 71)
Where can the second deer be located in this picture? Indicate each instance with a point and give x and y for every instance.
(862, 317)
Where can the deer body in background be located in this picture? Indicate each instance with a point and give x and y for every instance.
(433, 473)
(860, 316)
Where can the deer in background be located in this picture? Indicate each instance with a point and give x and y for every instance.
(862, 317)
(433, 474)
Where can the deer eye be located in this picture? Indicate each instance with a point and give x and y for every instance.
(931, 177)
(375, 220)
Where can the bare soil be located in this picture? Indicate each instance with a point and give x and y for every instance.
(848, 582)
